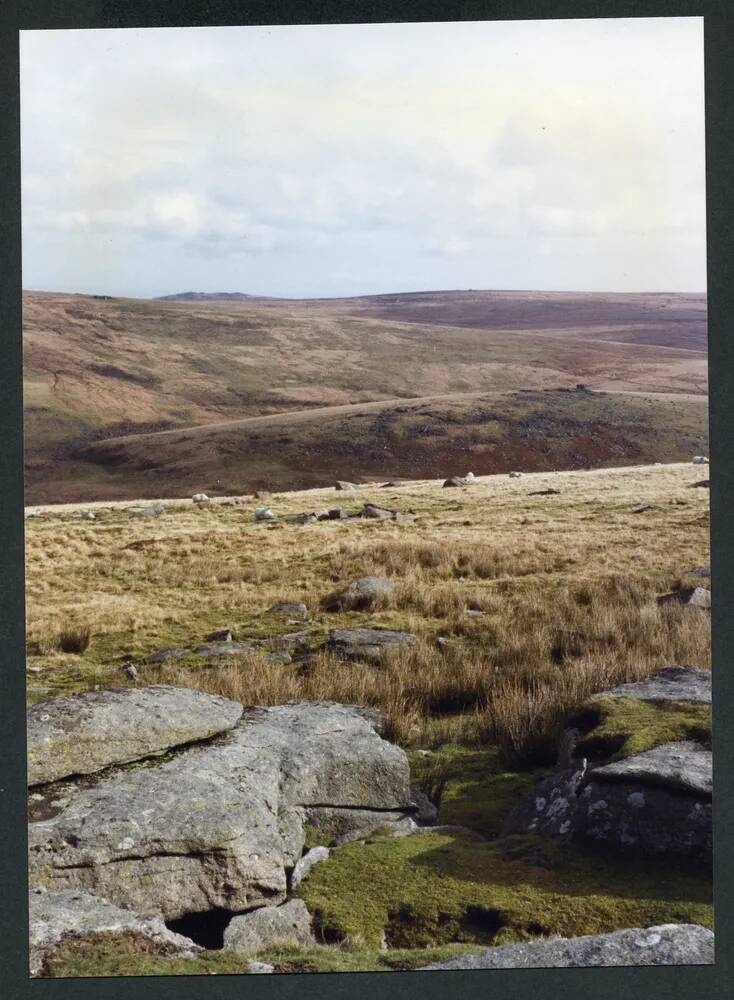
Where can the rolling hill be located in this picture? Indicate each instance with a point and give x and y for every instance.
(235, 394)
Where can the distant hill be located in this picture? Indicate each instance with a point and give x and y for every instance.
(203, 297)
(98, 370)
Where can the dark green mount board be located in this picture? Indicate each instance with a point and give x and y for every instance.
(657, 983)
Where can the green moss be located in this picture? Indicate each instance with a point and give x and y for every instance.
(627, 725)
(433, 889)
(470, 786)
(82, 959)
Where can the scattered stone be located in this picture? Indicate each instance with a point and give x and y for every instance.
(58, 917)
(645, 506)
(371, 510)
(665, 944)
(292, 640)
(469, 477)
(88, 515)
(33, 513)
(260, 968)
(85, 733)
(336, 514)
(668, 684)
(545, 493)
(426, 813)
(300, 518)
(289, 924)
(700, 460)
(394, 483)
(456, 481)
(360, 595)
(366, 643)
(200, 498)
(168, 654)
(702, 484)
(130, 671)
(306, 863)
(342, 485)
(216, 649)
(692, 597)
(280, 657)
(296, 608)
(155, 511)
(219, 635)
(515, 475)
(473, 613)
(216, 825)
(265, 514)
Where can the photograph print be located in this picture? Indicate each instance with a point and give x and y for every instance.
(366, 497)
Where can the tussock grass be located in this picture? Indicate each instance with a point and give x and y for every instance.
(566, 584)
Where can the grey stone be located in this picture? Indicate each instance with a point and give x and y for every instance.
(668, 684)
(336, 514)
(280, 657)
(366, 643)
(200, 498)
(456, 481)
(217, 824)
(702, 571)
(260, 968)
(665, 944)
(343, 485)
(217, 649)
(219, 635)
(289, 924)
(685, 767)
(336, 826)
(305, 518)
(371, 510)
(692, 597)
(545, 493)
(59, 917)
(88, 732)
(295, 608)
(265, 514)
(360, 595)
(306, 863)
(292, 641)
(168, 654)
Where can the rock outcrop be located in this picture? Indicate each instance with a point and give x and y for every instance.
(667, 944)
(690, 597)
(216, 825)
(88, 732)
(59, 917)
(668, 684)
(289, 924)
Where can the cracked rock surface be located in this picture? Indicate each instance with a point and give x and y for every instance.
(217, 824)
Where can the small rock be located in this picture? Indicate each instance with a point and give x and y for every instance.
(87, 515)
(130, 671)
(473, 613)
(260, 968)
(342, 485)
(336, 514)
(305, 518)
(270, 925)
(360, 595)
(692, 597)
(280, 657)
(167, 654)
(456, 481)
(515, 475)
(366, 643)
(700, 460)
(296, 608)
(702, 484)
(265, 514)
(230, 648)
(469, 477)
(645, 506)
(219, 635)
(668, 684)
(200, 498)
(545, 493)
(306, 863)
(371, 510)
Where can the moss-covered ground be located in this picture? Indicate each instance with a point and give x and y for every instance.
(627, 726)
(432, 889)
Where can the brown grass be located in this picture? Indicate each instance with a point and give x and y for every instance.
(567, 585)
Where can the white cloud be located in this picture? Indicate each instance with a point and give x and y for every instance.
(325, 159)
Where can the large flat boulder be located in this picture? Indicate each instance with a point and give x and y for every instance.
(366, 643)
(360, 595)
(666, 944)
(88, 732)
(59, 917)
(217, 824)
(668, 684)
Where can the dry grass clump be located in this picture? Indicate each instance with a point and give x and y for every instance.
(74, 638)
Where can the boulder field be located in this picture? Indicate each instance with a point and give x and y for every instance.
(156, 810)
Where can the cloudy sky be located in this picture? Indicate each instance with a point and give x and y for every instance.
(339, 160)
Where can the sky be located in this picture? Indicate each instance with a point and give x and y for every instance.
(330, 160)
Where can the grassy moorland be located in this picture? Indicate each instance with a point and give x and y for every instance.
(566, 585)
(428, 380)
